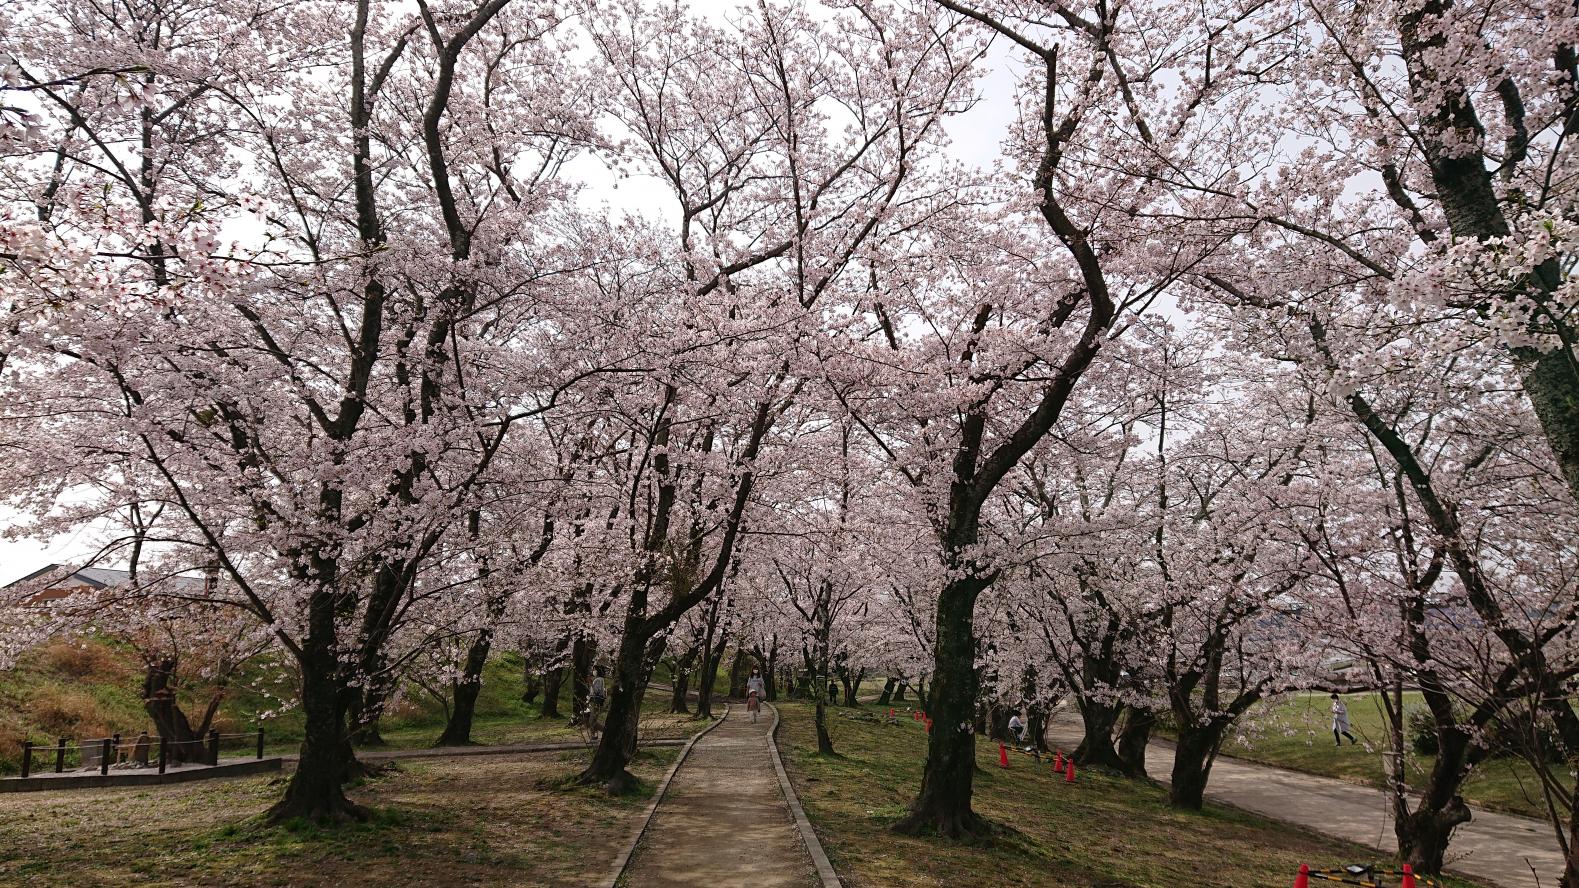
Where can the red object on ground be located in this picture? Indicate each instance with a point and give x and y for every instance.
(1069, 771)
(915, 715)
(929, 726)
(1058, 760)
(1303, 879)
(890, 713)
(1409, 877)
(1003, 756)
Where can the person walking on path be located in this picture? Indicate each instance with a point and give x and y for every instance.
(755, 690)
(1340, 722)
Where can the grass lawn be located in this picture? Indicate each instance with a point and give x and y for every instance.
(472, 821)
(1295, 732)
(1104, 832)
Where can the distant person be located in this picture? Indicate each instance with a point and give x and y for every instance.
(1340, 722)
(1017, 728)
(756, 689)
(597, 697)
(833, 692)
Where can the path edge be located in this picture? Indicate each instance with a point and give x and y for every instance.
(622, 861)
(819, 857)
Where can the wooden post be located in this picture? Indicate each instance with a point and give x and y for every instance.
(164, 752)
(60, 756)
(104, 757)
(115, 749)
(260, 743)
(27, 757)
(213, 747)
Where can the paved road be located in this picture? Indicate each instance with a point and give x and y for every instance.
(1494, 849)
(724, 821)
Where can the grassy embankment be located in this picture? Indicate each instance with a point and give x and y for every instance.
(1296, 733)
(95, 690)
(1104, 831)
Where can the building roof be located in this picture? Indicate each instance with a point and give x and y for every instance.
(96, 578)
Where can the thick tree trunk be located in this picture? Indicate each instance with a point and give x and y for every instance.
(618, 741)
(1132, 740)
(1194, 753)
(1096, 746)
(583, 653)
(553, 680)
(531, 684)
(899, 691)
(887, 696)
(171, 723)
(458, 729)
(1423, 835)
(943, 806)
(315, 792)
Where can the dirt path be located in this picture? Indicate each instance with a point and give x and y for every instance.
(1493, 849)
(724, 820)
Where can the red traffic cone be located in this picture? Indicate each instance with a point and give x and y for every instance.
(1069, 770)
(1303, 879)
(929, 726)
(1058, 760)
(915, 716)
(890, 713)
(1003, 756)
(1409, 877)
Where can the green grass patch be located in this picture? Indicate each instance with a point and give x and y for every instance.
(1295, 732)
(1104, 832)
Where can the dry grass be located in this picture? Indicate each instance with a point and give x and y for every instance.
(443, 822)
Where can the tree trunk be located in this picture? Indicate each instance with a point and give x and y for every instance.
(824, 740)
(582, 655)
(531, 683)
(852, 683)
(1193, 755)
(171, 723)
(1036, 728)
(682, 684)
(712, 655)
(887, 696)
(458, 729)
(615, 746)
(552, 680)
(899, 691)
(943, 806)
(1423, 835)
(315, 792)
(1096, 746)
(1132, 740)
(738, 670)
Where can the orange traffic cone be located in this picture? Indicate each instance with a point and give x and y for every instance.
(1303, 879)
(1058, 760)
(1003, 756)
(1409, 877)
(1069, 771)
